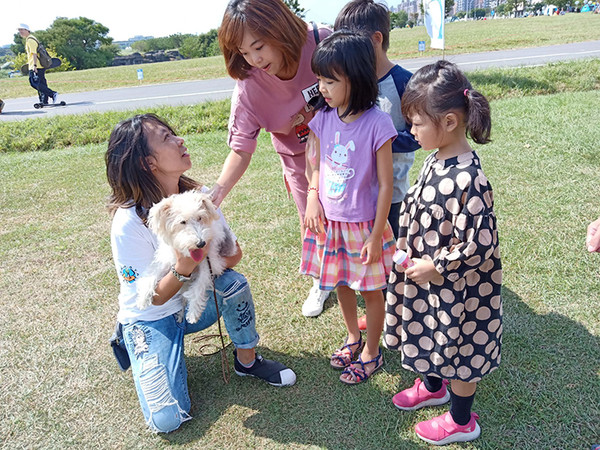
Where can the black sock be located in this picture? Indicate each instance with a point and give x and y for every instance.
(460, 408)
(433, 384)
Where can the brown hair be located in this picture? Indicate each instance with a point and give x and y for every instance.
(365, 16)
(441, 87)
(128, 173)
(270, 20)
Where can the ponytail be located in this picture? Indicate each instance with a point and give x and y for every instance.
(477, 117)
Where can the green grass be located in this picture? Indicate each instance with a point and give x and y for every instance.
(489, 35)
(461, 37)
(60, 384)
(91, 128)
(62, 131)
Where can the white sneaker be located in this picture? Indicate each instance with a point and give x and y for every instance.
(313, 305)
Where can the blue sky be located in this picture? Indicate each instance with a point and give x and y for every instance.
(129, 18)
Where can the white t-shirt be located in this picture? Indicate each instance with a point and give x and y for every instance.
(133, 246)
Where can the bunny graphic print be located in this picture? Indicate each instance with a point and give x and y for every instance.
(337, 170)
(348, 179)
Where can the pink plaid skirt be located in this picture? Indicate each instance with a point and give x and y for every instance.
(334, 256)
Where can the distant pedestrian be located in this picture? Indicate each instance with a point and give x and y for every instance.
(37, 74)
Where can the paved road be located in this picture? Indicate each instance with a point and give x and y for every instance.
(191, 92)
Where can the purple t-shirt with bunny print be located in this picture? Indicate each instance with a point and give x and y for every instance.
(348, 185)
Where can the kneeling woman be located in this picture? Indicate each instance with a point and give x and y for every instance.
(145, 163)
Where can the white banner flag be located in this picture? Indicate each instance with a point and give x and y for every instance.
(434, 22)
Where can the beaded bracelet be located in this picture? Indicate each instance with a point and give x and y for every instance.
(312, 188)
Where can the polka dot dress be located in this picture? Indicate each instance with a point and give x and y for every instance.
(450, 328)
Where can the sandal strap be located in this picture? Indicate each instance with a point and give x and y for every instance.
(346, 358)
(358, 374)
(343, 358)
(361, 373)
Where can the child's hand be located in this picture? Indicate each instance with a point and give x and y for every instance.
(314, 217)
(423, 272)
(592, 240)
(371, 250)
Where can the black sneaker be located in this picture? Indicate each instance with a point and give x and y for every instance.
(273, 372)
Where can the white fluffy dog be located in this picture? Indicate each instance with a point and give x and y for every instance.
(189, 223)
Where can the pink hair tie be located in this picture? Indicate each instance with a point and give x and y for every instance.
(466, 92)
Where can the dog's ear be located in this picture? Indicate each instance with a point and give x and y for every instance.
(157, 217)
(207, 204)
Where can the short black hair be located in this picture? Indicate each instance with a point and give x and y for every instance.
(350, 55)
(366, 16)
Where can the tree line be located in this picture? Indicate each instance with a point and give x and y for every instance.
(84, 43)
(189, 45)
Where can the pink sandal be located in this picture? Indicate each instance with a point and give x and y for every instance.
(341, 359)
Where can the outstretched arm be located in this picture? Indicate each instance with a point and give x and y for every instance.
(234, 167)
(312, 155)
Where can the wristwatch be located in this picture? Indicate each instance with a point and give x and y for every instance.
(180, 277)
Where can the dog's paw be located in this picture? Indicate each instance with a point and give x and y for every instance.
(192, 316)
(144, 302)
(145, 293)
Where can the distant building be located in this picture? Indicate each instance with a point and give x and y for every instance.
(410, 6)
(128, 42)
(413, 6)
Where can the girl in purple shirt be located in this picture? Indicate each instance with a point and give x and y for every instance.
(350, 243)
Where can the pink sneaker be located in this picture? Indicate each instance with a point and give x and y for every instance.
(442, 430)
(418, 396)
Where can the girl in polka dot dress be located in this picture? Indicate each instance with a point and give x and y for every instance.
(445, 313)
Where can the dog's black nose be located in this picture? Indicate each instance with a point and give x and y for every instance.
(200, 244)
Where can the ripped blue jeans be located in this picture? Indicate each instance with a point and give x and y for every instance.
(156, 351)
